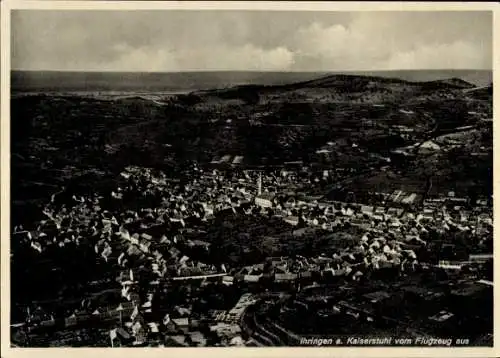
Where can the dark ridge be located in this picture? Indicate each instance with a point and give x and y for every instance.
(56, 81)
(451, 83)
(346, 82)
(341, 82)
(133, 99)
(345, 79)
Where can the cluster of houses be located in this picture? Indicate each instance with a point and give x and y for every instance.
(138, 229)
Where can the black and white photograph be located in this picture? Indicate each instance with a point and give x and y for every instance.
(217, 177)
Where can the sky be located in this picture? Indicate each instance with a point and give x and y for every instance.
(197, 40)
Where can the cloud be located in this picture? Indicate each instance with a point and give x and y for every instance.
(457, 55)
(221, 58)
(246, 57)
(386, 42)
(139, 59)
(250, 40)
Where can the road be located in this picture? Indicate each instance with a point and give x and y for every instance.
(200, 277)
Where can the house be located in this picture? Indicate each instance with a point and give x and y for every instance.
(446, 265)
(292, 220)
(174, 252)
(306, 274)
(169, 327)
(237, 159)
(181, 324)
(208, 209)
(194, 324)
(429, 147)
(339, 272)
(392, 212)
(124, 234)
(368, 210)
(330, 210)
(395, 196)
(177, 341)
(153, 329)
(216, 160)
(200, 243)
(377, 296)
(480, 257)
(146, 237)
(481, 202)
(251, 278)
(37, 246)
(226, 158)
(228, 280)
(347, 212)
(285, 277)
(183, 311)
(410, 199)
(441, 316)
(264, 200)
(133, 250)
(198, 339)
(135, 239)
(22, 236)
(122, 334)
(217, 315)
(183, 260)
(71, 320)
(226, 329)
(236, 341)
(139, 333)
(145, 245)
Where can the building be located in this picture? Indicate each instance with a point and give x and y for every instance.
(264, 200)
(177, 341)
(480, 257)
(410, 199)
(251, 278)
(226, 158)
(228, 280)
(285, 277)
(292, 220)
(441, 316)
(375, 297)
(429, 147)
(447, 265)
(259, 185)
(237, 159)
(198, 339)
(181, 324)
(234, 315)
(368, 210)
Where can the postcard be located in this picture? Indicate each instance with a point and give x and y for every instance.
(248, 178)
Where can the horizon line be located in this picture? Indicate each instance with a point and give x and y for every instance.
(260, 71)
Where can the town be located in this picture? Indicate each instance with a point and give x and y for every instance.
(210, 176)
(229, 256)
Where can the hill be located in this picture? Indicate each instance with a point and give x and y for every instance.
(336, 88)
(455, 83)
(334, 121)
(116, 82)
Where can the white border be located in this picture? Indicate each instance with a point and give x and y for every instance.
(8, 5)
